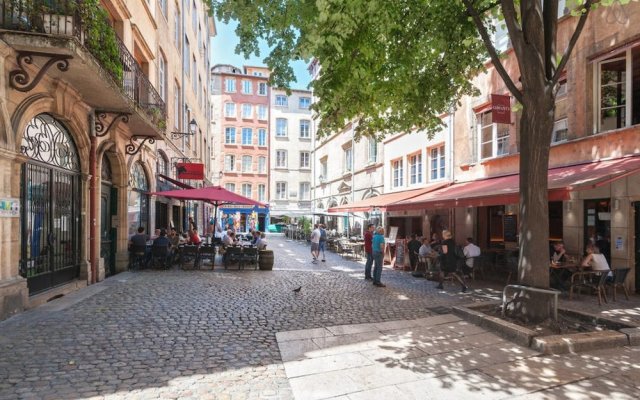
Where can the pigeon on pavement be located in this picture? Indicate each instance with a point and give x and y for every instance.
(297, 290)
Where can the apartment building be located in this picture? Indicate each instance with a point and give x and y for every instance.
(85, 131)
(290, 153)
(240, 99)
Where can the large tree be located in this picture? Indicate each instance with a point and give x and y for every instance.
(397, 65)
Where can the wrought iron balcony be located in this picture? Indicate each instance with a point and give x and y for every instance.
(90, 27)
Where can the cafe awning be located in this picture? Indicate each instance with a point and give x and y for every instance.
(505, 189)
(384, 200)
(175, 182)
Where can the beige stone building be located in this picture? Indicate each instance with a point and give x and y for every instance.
(89, 98)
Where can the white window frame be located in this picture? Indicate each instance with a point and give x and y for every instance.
(437, 163)
(397, 173)
(247, 111)
(230, 186)
(305, 160)
(229, 85)
(230, 163)
(305, 129)
(247, 164)
(262, 165)
(627, 84)
(282, 127)
(230, 110)
(177, 107)
(230, 135)
(281, 158)
(304, 103)
(281, 100)
(262, 137)
(499, 137)
(263, 113)
(305, 191)
(347, 160)
(281, 191)
(176, 29)
(162, 77)
(560, 131)
(262, 89)
(247, 133)
(187, 57)
(373, 151)
(262, 192)
(247, 86)
(247, 190)
(415, 168)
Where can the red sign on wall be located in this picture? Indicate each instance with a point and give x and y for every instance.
(190, 171)
(501, 109)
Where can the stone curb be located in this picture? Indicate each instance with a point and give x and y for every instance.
(578, 342)
(633, 334)
(507, 330)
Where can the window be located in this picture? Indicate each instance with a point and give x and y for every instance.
(323, 170)
(230, 85)
(262, 190)
(281, 127)
(262, 112)
(437, 166)
(281, 159)
(230, 187)
(305, 191)
(304, 103)
(618, 89)
(246, 190)
(281, 100)
(494, 138)
(281, 190)
(560, 131)
(230, 135)
(247, 136)
(373, 150)
(262, 165)
(230, 110)
(397, 173)
(304, 159)
(176, 29)
(262, 88)
(247, 111)
(246, 87)
(305, 131)
(247, 164)
(348, 160)
(187, 55)
(262, 137)
(194, 17)
(162, 77)
(176, 106)
(194, 85)
(415, 169)
(230, 163)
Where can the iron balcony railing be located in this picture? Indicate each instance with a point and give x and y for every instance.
(76, 18)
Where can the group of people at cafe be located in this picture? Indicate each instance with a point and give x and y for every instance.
(564, 265)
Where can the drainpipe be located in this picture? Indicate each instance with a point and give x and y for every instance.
(93, 193)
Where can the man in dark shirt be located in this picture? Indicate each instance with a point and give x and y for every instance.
(139, 239)
(368, 241)
(138, 245)
(162, 240)
(413, 246)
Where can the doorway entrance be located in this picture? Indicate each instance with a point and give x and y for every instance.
(108, 210)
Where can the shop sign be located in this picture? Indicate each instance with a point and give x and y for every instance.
(9, 208)
(190, 171)
(501, 109)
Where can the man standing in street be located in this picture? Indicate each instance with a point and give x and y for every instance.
(368, 240)
(323, 241)
(315, 244)
(378, 254)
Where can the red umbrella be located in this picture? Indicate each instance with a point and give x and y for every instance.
(216, 195)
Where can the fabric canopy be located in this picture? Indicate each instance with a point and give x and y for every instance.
(384, 200)
(506, 189)
(175, 182)
(215, 195)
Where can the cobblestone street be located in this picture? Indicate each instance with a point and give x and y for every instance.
(198, 334)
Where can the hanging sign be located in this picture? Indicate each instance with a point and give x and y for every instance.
(190, 171)
(501, 109)
(10, 208)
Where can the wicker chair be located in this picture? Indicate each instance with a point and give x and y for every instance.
(619, 276)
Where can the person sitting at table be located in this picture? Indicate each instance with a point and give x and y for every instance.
(229, 238)
(425, 250)
(413, 246)
(559, 252)
(435, 242)
(470, 251)
(449, 261)
(595, 259)
(256, 237)
(183, 238)
(174, 239)
(261, 243)
(194, 238)
(139, 241)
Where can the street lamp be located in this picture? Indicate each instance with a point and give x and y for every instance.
(192, 130)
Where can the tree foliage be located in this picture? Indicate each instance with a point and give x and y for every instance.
(391, 66)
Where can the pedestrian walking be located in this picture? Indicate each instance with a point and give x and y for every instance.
(368, 241)
(315, 244)
(449, 261)
(378, 251)
(323, 241)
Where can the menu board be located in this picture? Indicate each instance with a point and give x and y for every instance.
(393, 232)
(399, 261)
(510, 223)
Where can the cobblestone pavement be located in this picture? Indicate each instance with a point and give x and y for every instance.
(196, 334)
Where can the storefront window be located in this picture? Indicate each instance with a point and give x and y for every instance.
(138, 200)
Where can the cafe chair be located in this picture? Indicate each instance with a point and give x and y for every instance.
(594, 280)
(345, 250)
(160, 257)
(232, 255)
(619, 276)
(249, 256)
(137, 257)
(188, 254)
(208, 252)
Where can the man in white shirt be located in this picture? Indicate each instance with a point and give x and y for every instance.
(315, 244)
(470, 250)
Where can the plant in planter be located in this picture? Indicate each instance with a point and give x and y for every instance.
(305, 224)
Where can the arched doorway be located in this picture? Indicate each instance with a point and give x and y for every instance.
(50, 194)
(138, 199)
(108, 209)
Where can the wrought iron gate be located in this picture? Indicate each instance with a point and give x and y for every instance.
(50, 192)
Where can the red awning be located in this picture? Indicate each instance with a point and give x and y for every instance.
(383, 200)
(175, 182)
(505, 189)
(216, 195)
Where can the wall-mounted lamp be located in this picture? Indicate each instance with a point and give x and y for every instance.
(616, 204)
(569, 205)
(469, 209)
(193, 126)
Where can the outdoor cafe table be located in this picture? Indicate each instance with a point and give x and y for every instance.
(561, 272)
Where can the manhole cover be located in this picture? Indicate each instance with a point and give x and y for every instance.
(440, 310)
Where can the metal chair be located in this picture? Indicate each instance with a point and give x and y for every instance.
(232, 255)
(137, 257)
(189, 253)
(249, 256)
(594, 280)
(160, 256)
(207, 252)
(619, 276)
(345, 250)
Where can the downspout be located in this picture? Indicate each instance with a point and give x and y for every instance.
(92, 199)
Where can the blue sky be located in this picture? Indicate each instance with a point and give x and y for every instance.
(223, 48)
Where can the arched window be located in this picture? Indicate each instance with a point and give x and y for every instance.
(138, 199)
(163, 164)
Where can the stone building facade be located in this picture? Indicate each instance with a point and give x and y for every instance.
(84, 132)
